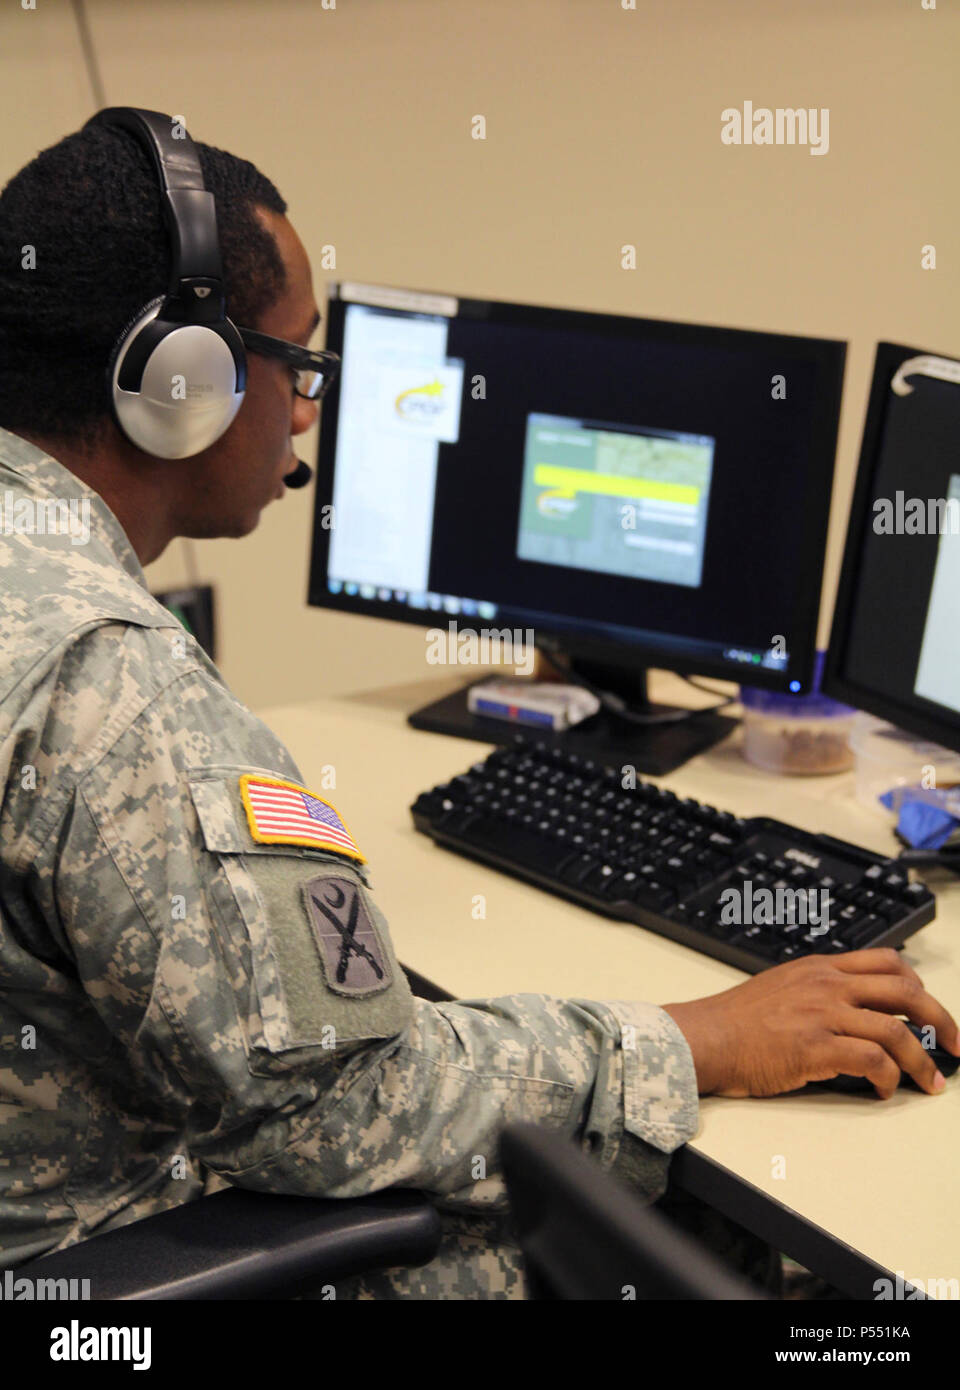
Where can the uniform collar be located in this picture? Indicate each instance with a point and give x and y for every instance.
(23, 463)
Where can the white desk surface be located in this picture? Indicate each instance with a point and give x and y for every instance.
(879, 1176)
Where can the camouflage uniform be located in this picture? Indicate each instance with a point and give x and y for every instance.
(168, 1020)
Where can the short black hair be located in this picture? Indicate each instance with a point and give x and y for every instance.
(90, 206)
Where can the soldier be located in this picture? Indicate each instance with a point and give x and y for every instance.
(197, 987)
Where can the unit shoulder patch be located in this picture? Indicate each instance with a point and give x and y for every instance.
(354, 960)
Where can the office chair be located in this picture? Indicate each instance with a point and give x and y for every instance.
(584, 1235)
(240, 1244)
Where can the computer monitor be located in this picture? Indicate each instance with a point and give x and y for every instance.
(633, 492)
(895, 642)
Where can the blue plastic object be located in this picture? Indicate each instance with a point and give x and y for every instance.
(921, 822)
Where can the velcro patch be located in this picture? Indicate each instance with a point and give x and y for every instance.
(282, 813)
(354, 960)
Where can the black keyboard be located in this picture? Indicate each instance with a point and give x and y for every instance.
(725, 886)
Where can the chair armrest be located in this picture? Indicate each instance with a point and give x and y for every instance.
(241, 1244)
(424, 988)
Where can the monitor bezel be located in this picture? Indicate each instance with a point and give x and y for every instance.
(888, 358)
(829, 355)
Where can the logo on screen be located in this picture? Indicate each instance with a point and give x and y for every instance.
(421, 402)
(556, 505)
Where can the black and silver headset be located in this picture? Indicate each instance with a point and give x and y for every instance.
(178, 371)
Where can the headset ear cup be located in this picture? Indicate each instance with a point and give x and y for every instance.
(183, 383)
(121, 344)
(117, 352)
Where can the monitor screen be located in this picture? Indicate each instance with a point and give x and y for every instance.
(628, 490)
(895, 644)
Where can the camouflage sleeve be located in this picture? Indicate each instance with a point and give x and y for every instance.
(618, 1076)
(253, 988)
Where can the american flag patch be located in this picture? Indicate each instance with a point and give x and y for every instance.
(281, 813)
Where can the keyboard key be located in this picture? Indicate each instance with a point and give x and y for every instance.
(653, 894)
(576, 869)
(891, 911)
(758, 941)
(458, 820)
(865, 932)
(427, 804)
(720, 841)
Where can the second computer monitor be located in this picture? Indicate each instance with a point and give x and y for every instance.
(632, 491)
(895, 645)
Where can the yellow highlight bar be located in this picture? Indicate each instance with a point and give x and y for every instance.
(567, 482)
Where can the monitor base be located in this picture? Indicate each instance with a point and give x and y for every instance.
(653, 750)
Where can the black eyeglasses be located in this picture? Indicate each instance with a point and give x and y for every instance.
(316, 371)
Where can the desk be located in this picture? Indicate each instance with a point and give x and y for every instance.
(868, 1188)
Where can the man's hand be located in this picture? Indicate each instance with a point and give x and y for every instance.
(813, 1019)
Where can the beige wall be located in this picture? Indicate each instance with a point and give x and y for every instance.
(603, 127)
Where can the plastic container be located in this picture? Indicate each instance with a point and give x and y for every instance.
(802, 735)
(888, 758)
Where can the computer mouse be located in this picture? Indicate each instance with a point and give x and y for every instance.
(946, 1063)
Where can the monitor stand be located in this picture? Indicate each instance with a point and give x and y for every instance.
(654, 749)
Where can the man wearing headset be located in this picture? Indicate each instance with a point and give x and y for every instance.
(186, 998)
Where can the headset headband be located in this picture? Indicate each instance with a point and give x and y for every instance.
(189, 211)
